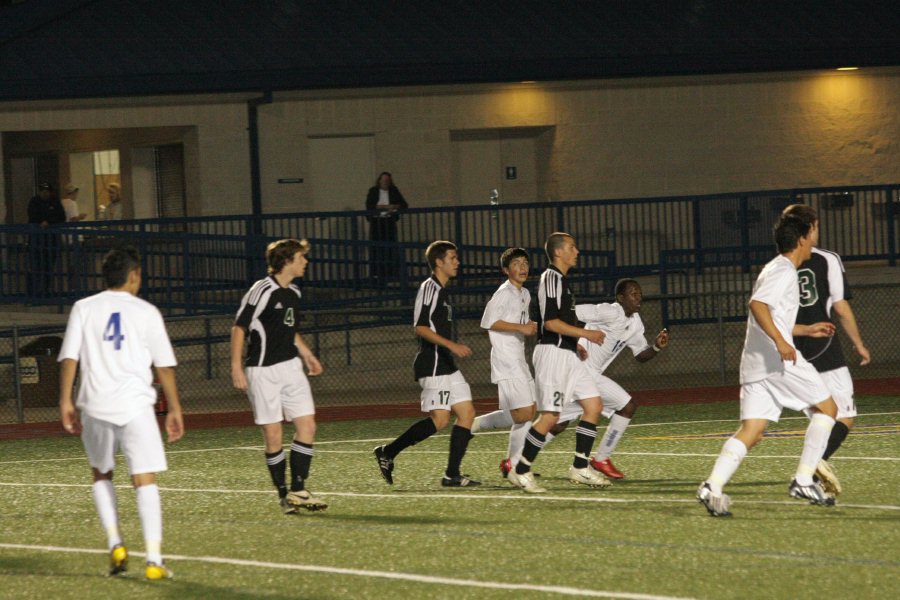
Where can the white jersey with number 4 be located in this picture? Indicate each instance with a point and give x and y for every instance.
(116, 337)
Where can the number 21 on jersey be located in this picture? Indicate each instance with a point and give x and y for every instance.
(113, 331)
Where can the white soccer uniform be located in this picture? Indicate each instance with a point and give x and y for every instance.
(621, 332)
(769, 384)
(509, 368)
(116, 337)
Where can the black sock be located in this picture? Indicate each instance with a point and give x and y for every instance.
(419, 431)
(534, 441)
(459, 441)
(277, 467)
(301, 456)
(585, 434)
(838, 435)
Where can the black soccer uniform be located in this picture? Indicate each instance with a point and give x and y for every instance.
(433, 310)
(270, 313)
(556, 301)
(822, 283)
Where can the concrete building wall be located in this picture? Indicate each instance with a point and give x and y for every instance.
(597, 139)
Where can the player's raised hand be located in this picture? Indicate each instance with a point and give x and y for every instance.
(787, 352)
(662, 339)
(313, 365)
(460, 350)
(863, 354)
(529, 328)
(594, 335)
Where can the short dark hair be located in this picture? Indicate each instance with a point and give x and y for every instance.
(806, 214)
(118, 263)
(622, 285)
(788, 231)
(282, 252)
(554, 242)
(437, 250)
(511, 254)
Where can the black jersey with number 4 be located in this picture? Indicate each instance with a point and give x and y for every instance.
(433, 310)
(556, 301)
(270, 314)
(822, 283)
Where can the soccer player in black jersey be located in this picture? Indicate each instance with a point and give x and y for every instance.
(824, 294)
(560, 376)
(274, 378)
(444, 389)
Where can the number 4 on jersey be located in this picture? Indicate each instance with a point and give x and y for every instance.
(113, 331)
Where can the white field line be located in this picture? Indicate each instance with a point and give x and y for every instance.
(428, 579)
(594, 496)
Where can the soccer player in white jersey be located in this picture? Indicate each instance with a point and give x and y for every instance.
(774, 375)
(621, 322)
(113, 338)
(507, 321)
(824, 296)
(274, 379)
(560, 377)
(444, 389)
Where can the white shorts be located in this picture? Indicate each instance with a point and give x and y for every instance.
(840, 384)
(139, 440)
(798, 387)
(560, 378)
(516, 393)
(279, 392)
(613, 396)
(443, 391)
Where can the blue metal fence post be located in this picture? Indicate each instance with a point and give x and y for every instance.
(698, 234)
(889, 214)
(357, 274)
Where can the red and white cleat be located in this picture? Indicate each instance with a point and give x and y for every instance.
(607, 468)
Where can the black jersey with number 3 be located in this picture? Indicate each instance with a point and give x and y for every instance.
(822, 283)
(270, 314)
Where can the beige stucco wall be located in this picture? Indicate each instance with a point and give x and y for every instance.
(607, 139)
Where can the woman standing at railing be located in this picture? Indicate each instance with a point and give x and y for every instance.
(383, 203)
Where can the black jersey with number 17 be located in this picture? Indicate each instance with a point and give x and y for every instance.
(433, 310)
(822, 283)
(269, 314)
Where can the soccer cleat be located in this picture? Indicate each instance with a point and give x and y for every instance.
(286, 508)
(814, 493)
(716, 504)
(476, 425)
(607, 468)
(303, 499)
(459, 481)
(588, 476)
(525, 481)
(118, 559)
(506, 467)
(828, 478)
(385, 464)
(155, 571)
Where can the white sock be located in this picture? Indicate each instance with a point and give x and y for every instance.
(517, 441)
(814, 443)
(105, 501)
(499, 419)
(150, 512)
(733, 452)
(614, 432)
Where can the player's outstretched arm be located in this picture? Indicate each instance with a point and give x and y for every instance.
(68, 414)
(526, 329)
(561, 327)
(238, 378)
(817, 330)
(174, 420)
(662, 341)
(313, 366)
(848, 321)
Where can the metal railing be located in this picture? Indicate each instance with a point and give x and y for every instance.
(204, 264)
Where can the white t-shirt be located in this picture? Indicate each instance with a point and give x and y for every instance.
(116, 337)
(509, 304)
(779, 288)
(620, 331)
(71, 208)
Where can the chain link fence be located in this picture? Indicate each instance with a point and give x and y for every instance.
(368, 355)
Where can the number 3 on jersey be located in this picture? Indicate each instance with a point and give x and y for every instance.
(113, 331)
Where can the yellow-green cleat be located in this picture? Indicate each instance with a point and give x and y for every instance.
(118, 560)
(155, 571)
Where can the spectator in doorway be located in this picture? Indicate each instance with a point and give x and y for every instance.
(44, 210)
(383, 203)
(70, 204)
(114, 210)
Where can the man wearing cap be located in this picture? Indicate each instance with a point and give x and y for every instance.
(70, 204)
(44, 210)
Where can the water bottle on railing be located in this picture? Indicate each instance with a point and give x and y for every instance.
(494, 200)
